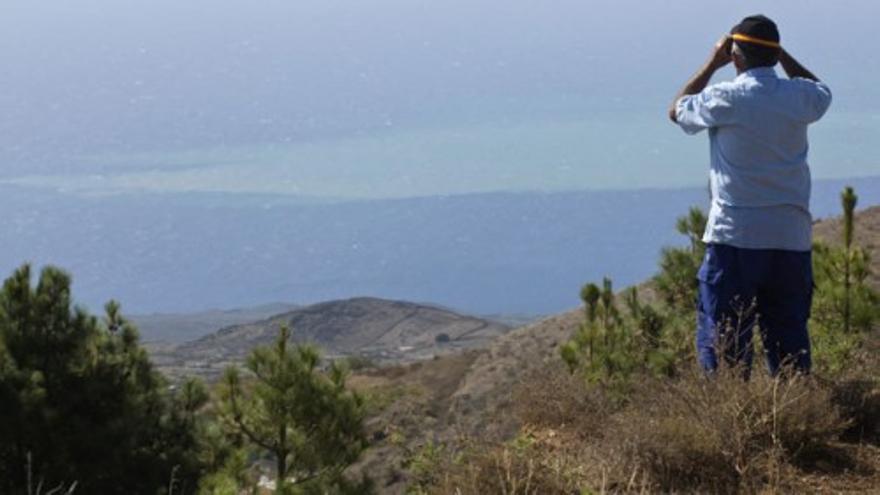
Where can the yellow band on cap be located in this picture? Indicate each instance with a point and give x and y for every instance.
(748, 39)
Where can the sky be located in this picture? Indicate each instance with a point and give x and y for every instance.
(338, 100)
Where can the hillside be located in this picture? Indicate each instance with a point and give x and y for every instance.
(479, 401)
(381, 330)
(485, 389)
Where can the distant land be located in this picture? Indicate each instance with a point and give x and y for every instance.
(493, 253)
(381, 330)
(183, 327)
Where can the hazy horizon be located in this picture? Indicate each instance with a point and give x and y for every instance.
(342, 100)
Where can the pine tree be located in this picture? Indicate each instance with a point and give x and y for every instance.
(845, 306)
(604, 348)
(609, 346)
(848, 200)
(677, 281)
(844, 299)
(692, 226)
(80, 401)
(305, 419)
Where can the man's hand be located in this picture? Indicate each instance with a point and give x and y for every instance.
(721, 53)
(719, 58)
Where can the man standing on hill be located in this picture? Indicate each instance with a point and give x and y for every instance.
(759, 232)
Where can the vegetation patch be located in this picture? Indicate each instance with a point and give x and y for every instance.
(628, 412)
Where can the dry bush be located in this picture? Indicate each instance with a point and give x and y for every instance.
(552, 397)
(701, 434)
(536, 463)
(726, 435)
(859, 401)
(563, 419)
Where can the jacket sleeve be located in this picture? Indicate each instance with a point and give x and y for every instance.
(816, 97)
(707, 109)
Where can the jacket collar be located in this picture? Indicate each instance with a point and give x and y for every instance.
(758, 72)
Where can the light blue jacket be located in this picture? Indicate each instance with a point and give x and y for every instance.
(759, 177)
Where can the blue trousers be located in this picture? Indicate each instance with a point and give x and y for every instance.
(741, 287)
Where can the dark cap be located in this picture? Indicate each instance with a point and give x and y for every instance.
(758, 28)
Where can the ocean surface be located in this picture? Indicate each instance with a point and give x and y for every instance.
(484, 253)
(487, 155)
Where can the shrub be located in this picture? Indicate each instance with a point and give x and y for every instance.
(856, 393)
(833, 351)
(358, 363)
(527, 465)
(424, 466)
(552, 398)
(724, 434)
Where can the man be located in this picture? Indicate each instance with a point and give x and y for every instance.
(759, 231)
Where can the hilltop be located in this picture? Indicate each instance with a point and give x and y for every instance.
(379, 330)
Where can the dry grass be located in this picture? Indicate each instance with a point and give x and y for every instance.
(693, 434)
(553, 398)
(857, 393)
(537, 462)
(729, 436)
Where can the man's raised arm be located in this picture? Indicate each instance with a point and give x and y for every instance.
(719, 58)
(793, 68)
